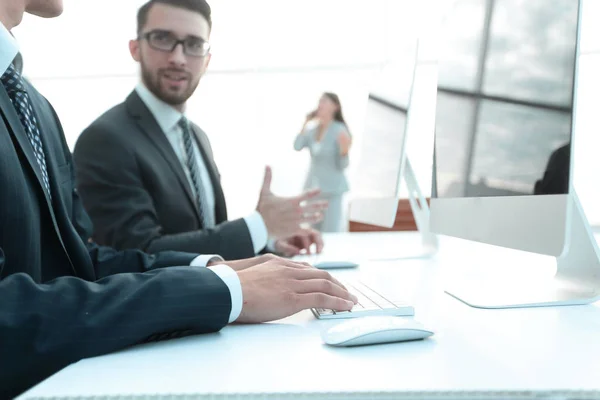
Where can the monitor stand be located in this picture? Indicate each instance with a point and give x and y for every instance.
(576, 282)
(420, 211)
(382, 212)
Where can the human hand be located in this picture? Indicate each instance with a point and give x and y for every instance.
(344, 141)
(303, 240)
(284, 215)
(272, 291)
(240, 265)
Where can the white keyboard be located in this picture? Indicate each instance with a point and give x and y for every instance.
(321, 262)
(369, 303)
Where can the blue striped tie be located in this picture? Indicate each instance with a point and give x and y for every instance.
(206, 215)
(13, 83)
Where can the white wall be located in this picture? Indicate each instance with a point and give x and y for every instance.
(271, 60)
(267, 72)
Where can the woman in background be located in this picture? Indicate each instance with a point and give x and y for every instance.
(329, 142)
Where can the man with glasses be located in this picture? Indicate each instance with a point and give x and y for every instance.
(146, 173)
(63, 298)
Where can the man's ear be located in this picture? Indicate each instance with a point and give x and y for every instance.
(134, 49)
(207, 60)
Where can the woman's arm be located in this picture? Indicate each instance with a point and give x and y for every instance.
(303, 139)
(344, 141)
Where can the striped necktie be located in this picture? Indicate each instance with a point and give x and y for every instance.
(206, 215)
(19, 97)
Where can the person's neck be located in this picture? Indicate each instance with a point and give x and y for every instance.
(325, 121)
(180, 108)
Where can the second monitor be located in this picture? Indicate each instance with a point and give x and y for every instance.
(504, 128)
(399, 107)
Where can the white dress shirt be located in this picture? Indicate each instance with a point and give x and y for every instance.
(168, 118)
(9, 49)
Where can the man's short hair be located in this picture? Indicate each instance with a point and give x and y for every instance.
(199, 6)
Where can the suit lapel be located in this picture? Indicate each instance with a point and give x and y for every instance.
(18, 131)
(150, 127)
(47, 132)
(16, 128)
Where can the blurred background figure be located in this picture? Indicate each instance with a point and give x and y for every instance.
(328, 139)
(556, 176)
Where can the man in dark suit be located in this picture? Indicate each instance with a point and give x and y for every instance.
(63, 298)
(146, 174)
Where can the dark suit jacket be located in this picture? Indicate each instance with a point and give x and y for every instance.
(62, 298)
(134, 188)
(556, 176)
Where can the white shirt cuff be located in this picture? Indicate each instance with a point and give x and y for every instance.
(229, 277)
(271, 245)
(258, 231)
(204, 259)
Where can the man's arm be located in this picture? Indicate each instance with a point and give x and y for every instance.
(45, 327)
(108, 261)
(123, 212)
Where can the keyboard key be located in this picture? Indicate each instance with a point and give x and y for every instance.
(323, 311)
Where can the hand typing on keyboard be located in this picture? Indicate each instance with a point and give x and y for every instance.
(240, 265)
(279, 288)
(369, 302)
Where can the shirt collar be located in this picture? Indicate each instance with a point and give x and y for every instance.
(9, 49)
(166, 116)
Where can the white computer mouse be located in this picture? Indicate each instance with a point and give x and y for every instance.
(334, 264)
(372, 330)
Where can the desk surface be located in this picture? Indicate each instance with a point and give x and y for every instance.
(521, 353)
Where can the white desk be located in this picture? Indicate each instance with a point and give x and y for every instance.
(519, 353)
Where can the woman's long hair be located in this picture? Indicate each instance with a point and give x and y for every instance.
(339, 115)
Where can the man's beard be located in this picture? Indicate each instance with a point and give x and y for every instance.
(153, 83)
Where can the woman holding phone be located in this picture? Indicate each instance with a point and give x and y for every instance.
(329, 142)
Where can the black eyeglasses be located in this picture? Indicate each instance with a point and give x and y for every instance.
(167, 41)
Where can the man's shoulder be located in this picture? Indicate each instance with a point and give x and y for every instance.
(198, 130)
(114, 116)
(110, 125)
(37, 97)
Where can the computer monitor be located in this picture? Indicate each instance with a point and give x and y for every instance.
(402, 91)
(504, 128)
